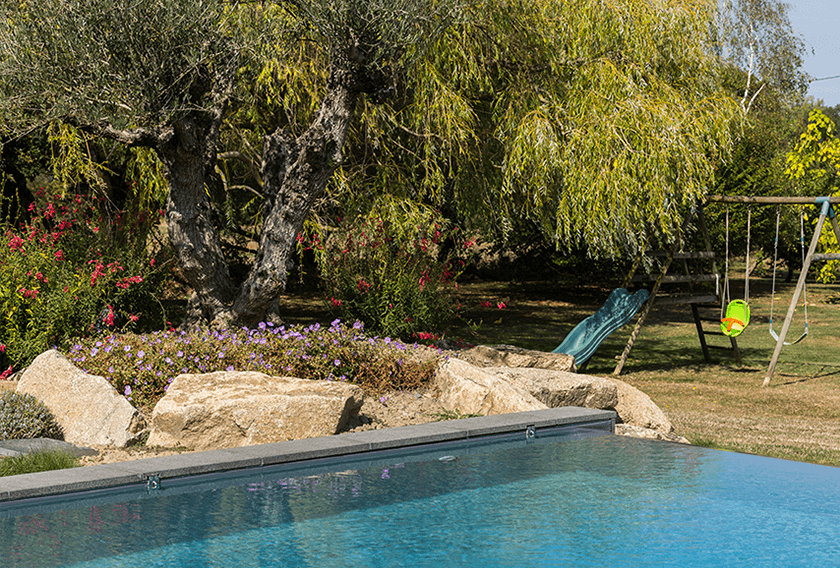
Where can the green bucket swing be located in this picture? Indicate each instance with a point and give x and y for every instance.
(736, 317)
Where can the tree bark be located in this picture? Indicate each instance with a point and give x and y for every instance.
(295, 174)
(187, 152)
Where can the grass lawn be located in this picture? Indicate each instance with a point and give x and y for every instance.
(722, 404)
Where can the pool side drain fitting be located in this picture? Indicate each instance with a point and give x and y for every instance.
(153, 483)
(530, 433)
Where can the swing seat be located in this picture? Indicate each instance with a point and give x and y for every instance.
(737, 318)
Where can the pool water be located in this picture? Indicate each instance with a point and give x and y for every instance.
(558, 500)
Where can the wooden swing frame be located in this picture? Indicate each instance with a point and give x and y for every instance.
(826, 205)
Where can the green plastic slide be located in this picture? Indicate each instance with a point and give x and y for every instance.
(584, 339)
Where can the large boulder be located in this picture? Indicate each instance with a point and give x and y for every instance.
(511, 356)
(637, 409)
(472, 389)
(560, 388)
(232, 409)
(89, 409)
(468, 389)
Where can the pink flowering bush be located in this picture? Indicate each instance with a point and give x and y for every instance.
(394, 271)
(74, 268)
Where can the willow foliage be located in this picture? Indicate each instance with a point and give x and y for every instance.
(599, 120)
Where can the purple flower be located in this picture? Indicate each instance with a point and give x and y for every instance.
(127, 348)
(337, 363)
(141, 354)
(229, 368)
(127, 390)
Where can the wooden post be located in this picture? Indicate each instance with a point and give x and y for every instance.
(653, 292)
(800, 285)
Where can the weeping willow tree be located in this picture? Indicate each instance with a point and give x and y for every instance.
(599, 121)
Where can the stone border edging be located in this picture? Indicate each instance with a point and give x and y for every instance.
(139, 471)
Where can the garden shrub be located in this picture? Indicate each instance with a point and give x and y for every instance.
(76, 258)
(141, 367)
(22, 417)
(394, 268)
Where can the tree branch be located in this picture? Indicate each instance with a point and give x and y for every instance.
(135, 137)
(252, 169)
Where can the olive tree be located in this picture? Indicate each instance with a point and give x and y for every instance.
(162, 75)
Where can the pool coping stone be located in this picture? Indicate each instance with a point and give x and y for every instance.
(133, 472)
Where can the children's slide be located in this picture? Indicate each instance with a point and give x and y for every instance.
(585, 338)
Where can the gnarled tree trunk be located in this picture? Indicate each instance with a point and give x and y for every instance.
(187, 152)
(295, 174)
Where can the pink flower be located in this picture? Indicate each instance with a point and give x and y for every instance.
(486, 304)
(335, 302)
(28, 293)
(501, 305)
(59, 255)
(16, 243)
(424, 279)
(132, 317)
(2, 347)
(109, 318)
(424, 335)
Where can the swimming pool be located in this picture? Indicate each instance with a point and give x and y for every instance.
(562, 496)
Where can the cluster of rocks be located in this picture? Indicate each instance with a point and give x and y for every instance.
(231, 409)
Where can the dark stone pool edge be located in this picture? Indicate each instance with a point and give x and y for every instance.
(167, 467)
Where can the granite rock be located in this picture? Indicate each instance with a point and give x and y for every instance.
(243, 408)
(88, 408)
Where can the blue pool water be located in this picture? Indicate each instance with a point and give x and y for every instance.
(557, 500)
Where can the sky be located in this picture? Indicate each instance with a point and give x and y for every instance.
(818, 23)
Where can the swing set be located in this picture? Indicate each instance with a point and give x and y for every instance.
(736, 314)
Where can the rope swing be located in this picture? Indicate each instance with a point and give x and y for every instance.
(775, 260)
(736, 317)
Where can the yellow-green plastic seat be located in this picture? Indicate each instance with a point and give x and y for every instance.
(737, 318)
